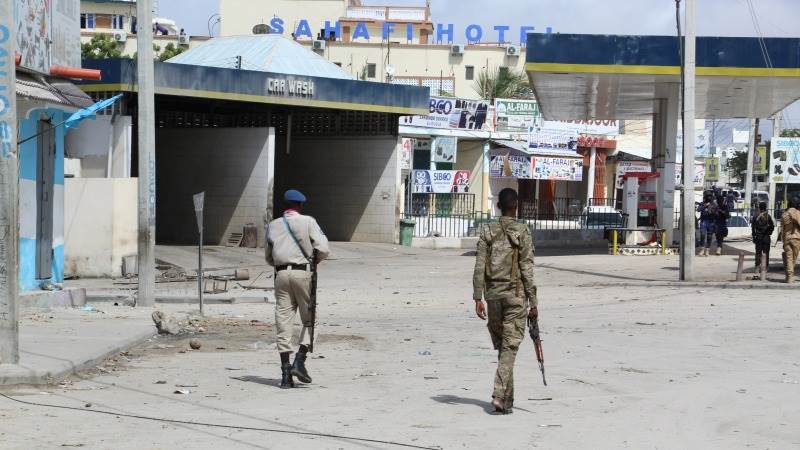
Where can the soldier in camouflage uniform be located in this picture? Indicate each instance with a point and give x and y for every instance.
(504, 278)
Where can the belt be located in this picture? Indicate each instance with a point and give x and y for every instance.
(292, 267)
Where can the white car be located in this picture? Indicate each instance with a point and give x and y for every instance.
(739, 227)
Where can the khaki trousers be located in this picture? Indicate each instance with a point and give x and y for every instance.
(507, 328)
(292, 293)
(792, 250)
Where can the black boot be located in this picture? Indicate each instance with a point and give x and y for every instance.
(286, 377)
(299, 368)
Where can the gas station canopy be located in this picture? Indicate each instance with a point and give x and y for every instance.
(587, 77)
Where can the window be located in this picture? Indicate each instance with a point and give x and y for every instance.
(87, 21)
(469, 72)
(371, 68)
(117, 21)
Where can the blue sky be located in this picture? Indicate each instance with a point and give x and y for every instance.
(778, 18)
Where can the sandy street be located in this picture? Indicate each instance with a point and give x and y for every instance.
(401, 357)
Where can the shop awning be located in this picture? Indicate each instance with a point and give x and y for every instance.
(59, 92)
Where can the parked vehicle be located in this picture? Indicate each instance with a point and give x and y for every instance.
(602, 217)
(738, 226)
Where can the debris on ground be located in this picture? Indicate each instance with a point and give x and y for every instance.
(195, 344)
(165, 324)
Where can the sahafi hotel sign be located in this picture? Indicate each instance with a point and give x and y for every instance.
(443, 33)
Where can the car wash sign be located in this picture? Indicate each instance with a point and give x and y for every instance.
(290, 87)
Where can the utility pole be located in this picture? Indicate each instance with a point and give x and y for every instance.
(688, 209)
(748, 182)
(147, 154)
(776, 133)
(9, 203)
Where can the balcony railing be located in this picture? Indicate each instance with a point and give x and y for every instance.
(384, 13)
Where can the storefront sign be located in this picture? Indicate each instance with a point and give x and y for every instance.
(33, 25)
(760, 160)
(625, 167)
(712, 169)
(290, 87)
(510, 166)
(561, 140)
(516, 115)
(441, 181)
(452, 113)
(444, 149)
(556, 168)
(594, 127)
(699, 174)
(8, 111)
(785, 164)
(406, 153)
(66, 42)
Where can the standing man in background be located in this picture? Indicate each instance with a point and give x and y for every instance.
(762, 228)
(790, 234)
(503, 276)
(291, 241)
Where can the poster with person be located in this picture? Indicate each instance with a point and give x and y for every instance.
(441, 181)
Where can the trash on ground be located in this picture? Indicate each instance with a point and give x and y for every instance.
(195, 344)
(164, 323)
(182, 391)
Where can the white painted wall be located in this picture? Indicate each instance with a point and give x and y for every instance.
(352, 184)
(100, 225)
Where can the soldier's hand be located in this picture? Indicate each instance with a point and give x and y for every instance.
(480, 309)
(533, 313)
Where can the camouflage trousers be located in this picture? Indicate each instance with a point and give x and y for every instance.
(507, 328)
(792, 250)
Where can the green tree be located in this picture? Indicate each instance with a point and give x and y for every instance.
(737, 166)
(791, 132)
(101, 46)
(171, 50)
(502, 82)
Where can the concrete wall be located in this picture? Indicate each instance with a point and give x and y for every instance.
(100, 216)
(470, 157)
(352, 184)
(230, 164)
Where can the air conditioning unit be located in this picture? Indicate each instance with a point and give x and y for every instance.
(120, 36)
(318, 45)
(512, 50)
(457, 50)
(183, 39)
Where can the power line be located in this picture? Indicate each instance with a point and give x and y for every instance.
(214, 425)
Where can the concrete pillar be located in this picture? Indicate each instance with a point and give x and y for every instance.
(269, 213)
(665, 135)
(487, 194)
(590, 181)
(630, 205)
(9, 201)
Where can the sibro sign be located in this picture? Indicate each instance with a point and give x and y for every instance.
(442, 32)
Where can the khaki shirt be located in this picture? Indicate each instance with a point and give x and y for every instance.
(492, 278)
(790, 224)
(280, 249)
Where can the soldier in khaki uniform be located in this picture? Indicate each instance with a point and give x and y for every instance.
(790, 234)
(504, 278)
(290, 241)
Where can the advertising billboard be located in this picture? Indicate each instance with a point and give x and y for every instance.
(785, 164)
(441, 181)
(454, 114)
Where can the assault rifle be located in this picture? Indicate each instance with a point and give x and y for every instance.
(533, 328)
(312, 299)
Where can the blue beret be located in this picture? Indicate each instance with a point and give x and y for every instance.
(293, 195)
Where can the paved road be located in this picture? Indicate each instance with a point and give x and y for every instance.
(402, 358)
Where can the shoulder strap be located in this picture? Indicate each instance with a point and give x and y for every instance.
(294, 237)
(514, 259)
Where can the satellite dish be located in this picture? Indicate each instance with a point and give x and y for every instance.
(261, 28)
(390, 70)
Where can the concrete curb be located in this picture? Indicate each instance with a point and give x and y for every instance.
(179, 299)
(12, 375)
(700, 284)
